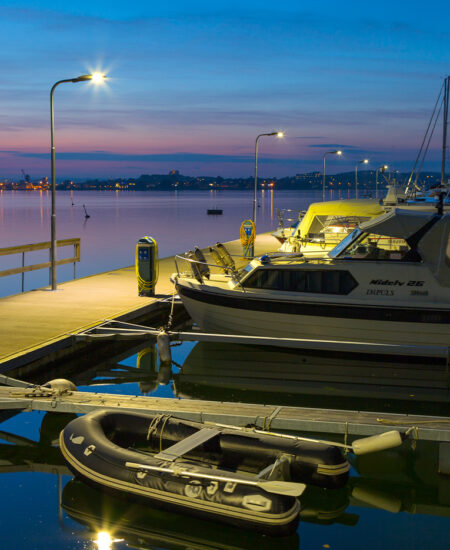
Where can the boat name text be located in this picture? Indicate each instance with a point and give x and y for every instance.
(396, 282)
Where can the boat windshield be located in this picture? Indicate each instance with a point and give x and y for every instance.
(243, 272)
(370, 246)
(345, 243)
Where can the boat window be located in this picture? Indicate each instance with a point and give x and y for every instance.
(345, 243)
(370, 246)
(333, 229)
(304, 280)
(243, 272)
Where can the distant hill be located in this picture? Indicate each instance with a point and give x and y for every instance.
(312, 180)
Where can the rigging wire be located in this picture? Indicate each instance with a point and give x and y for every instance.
(423, 142)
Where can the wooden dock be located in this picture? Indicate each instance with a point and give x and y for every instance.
(38, 324)
(300, 419)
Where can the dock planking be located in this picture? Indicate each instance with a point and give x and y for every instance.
(270, 417)
(40, 322)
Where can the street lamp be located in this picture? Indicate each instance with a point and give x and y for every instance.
(96, 78)
(365, 161)
(339, 153)
(279, 135)
(381, 169)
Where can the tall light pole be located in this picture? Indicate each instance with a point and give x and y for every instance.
(364, 161)
(278, 134)
(381, 169)
(339, 153)
(96, 78)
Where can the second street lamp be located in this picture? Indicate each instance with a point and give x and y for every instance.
(339, 153)
(96, 78)
(364, 161)
(381, 169)
(278, 134)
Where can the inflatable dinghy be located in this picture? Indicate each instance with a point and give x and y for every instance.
(230, 475)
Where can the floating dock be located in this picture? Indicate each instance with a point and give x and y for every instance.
(266, 417)
(37, 326)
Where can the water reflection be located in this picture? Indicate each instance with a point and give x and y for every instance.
(253, 374)
(404, 480)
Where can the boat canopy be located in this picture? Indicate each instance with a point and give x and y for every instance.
(435, 250)
(398, 223)
(362, 208)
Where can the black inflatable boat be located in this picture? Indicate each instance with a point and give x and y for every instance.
(230, 475)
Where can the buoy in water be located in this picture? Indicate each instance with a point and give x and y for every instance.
(380, 442)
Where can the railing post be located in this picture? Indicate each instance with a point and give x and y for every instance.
(23, 274)
(74, 263)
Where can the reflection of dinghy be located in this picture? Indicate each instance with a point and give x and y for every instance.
(204, 471)
(145, 527)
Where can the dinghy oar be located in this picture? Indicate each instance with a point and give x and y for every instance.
(286, 488)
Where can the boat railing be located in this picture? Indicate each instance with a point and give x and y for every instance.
(289, 216)
(201, 270)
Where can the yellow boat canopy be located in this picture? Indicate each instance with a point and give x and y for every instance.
(362, 208)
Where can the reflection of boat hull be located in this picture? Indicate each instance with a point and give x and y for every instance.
(262, 374)
(104, 448)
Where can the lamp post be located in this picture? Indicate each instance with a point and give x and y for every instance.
(96, 78)
(278, 134)
(381, 169)
(339, 153)
(364, 161)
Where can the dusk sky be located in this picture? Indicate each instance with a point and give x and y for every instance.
(191, 84)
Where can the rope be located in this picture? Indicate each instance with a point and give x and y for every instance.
(153, 427)
(267, 420)
(170, 319)
(147, 285)
(346, 438)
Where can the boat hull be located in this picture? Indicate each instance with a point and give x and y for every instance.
(237, 313)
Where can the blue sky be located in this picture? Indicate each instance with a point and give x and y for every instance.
(192, 84)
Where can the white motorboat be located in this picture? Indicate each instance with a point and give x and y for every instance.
(388, 282)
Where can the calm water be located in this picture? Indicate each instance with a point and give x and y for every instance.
(394, 499)
(177, 220)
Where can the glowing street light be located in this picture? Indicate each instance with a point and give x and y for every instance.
(339, 153)
(95, 78)
(381, 169)
(364, 161)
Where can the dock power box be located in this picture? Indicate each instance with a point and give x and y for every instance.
(146, 266)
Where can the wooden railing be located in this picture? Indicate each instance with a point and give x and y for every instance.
(22, 249)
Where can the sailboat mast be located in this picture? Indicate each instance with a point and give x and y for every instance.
(444, 133)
